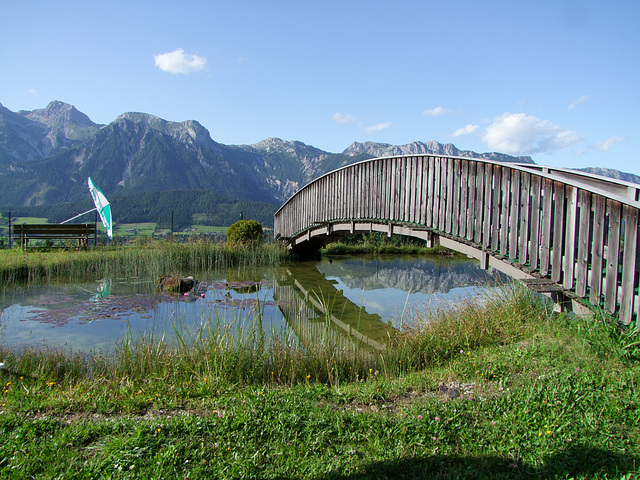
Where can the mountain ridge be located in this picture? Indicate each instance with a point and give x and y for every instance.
(47, 154)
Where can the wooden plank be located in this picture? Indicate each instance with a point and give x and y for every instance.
(504, 214)
(546, 225)
(420, 191)
(496, 199)
(451, 180)
(455, 221)
(614, 210)
(514, 214)
(571, 215)
(436, 191)
(525, 214)
(430, 191)
(443, 194)
(471, 210)
(558, 231)
(488, 205)
(464, 202)
(534, 248)
(597, 249)
(584, 241)
(479, 193)
(629, 263)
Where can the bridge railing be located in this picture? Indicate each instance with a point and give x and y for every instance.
(579, 230)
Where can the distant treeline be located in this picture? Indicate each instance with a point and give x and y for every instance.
(189, 207)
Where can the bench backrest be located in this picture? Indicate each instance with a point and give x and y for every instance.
(47, 229)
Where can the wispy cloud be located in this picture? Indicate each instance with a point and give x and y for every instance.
(32, 91)
(577, 102)
(436, 112)
(240, 60)
(343, 119)
(466, 130)
(179, 62)
(377, 127)
(522, 134)
(607, 144)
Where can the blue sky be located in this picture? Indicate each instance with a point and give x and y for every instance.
(557, 80)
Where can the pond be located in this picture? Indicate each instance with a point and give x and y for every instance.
(360, 301)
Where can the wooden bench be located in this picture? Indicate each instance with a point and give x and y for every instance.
(46, 231)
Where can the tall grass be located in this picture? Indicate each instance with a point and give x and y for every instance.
(141, 259)
(239, 351)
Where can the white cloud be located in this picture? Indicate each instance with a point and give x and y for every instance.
(32, 91)
(577, 102)
(179, 62)
(343, 119)
(436, 112)
(377, 127)
(521, 134)
(466, 130)
(607, 144)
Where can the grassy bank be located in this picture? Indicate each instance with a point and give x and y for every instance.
(145, 258)
(499, 390)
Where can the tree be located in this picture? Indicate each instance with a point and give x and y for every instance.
(245, 232)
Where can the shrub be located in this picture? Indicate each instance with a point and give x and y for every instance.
(245, 232)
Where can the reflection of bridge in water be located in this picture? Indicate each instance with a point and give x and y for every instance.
(319, 314)
(415, 275)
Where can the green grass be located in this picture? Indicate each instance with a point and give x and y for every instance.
(541, 395)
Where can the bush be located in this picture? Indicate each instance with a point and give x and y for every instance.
(245, 232)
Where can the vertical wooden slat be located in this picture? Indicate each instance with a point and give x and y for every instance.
(613, 256)
(514, 214)
(488, 205)
(471, 209)
(546, 226)
(496, 207)
(430, 191)
(436, 191)
(450, 195)
(455, 221)
(477, 228)
(504, 214)
(525, 198)
(534, 247)
(570, 237)
(464, 192)
(558, 231)
(443, 194)
(629, 263)
(584, 240)
(420, 190)
(597, 250)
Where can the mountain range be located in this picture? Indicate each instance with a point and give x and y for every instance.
(46, 156)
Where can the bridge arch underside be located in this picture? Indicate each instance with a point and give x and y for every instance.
(307, 243)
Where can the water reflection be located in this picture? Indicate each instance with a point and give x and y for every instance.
(350, 303)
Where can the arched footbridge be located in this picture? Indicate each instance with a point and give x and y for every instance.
(570, 235)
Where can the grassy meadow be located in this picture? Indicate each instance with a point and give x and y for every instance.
(500, 389)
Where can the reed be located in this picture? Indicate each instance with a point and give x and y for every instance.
(150, 258)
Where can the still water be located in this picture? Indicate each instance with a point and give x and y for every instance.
(359, 301)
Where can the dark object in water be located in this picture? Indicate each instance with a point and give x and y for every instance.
(176, 283)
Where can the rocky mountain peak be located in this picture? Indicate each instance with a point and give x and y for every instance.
(427, 148)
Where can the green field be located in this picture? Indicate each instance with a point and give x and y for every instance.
(129, 230)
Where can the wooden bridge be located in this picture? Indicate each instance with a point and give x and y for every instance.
(570, 235)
